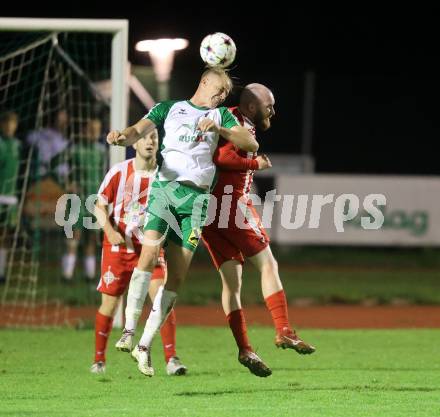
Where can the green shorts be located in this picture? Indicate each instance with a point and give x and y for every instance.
(177, 211)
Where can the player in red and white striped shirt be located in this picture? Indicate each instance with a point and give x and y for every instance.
(237, 233)
(122, 198)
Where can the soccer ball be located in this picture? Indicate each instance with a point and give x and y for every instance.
(218, 50)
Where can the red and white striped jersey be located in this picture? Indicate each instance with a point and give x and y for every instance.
(233, 170)
(125, 190)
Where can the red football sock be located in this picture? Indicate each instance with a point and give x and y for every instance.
(168, 334)
(103, 327)
(277, 305)
(237, 323)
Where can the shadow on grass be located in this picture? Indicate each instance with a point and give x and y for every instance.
(354, 388)
(355, 369)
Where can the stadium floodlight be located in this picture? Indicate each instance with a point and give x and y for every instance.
(162, 55)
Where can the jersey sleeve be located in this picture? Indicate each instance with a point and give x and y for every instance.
(226, 157)
(107, 190)
(159, 112)
(228, 119)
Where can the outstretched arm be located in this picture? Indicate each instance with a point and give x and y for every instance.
(131, 134)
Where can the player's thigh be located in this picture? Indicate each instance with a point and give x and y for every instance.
(157, 279)
(151, 246)
(191, 216)
(248, 234)
(178, 262)
(264, 259)
(154, 287)
(159, 213)
(231, 272)
(115, 272)
(251, 240)
(156, 226)
(220, 247)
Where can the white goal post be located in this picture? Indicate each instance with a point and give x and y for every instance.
(119, 61)
(118, 28)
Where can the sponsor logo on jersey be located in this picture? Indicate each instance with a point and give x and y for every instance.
(192, 138)
(194, 237)
(192, 134)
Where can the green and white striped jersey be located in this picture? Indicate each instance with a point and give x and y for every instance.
(186, 153)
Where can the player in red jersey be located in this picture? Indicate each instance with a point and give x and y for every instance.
(237, 233)
(122, 198)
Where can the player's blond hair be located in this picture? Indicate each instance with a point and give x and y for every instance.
(222, 73)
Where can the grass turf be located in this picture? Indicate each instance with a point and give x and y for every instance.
(320, 274)
(322, 285)
(353, 373)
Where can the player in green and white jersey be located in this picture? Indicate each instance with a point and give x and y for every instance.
(189, 132)
(87, 163)
(10, 148)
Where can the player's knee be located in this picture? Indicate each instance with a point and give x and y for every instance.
(231, 293)
(148, 260)
(147, 264)
(231, 285)
(108, 305)
(270, 266)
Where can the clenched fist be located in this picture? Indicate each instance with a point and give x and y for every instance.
(115, 137)
(263, 162)
(115, 238)
(208, 125)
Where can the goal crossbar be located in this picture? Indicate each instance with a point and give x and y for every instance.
(119, 62)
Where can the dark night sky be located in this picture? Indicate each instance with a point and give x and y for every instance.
(377, 78)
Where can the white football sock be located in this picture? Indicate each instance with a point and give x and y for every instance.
(68, 263)
(162, 305)
(90, 266)
(137, 291)
(3, 256)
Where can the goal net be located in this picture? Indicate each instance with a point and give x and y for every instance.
(53, 117)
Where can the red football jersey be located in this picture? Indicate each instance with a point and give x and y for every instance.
(125, 190)
(235, 166)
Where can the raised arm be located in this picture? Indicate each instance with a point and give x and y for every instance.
(131, 134)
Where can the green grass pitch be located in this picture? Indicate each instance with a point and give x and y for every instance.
(392, 373)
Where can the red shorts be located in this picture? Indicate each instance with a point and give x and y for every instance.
(116, 270)
(233, 242)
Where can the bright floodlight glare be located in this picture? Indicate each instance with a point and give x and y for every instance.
(162, 45)
(162, 54)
